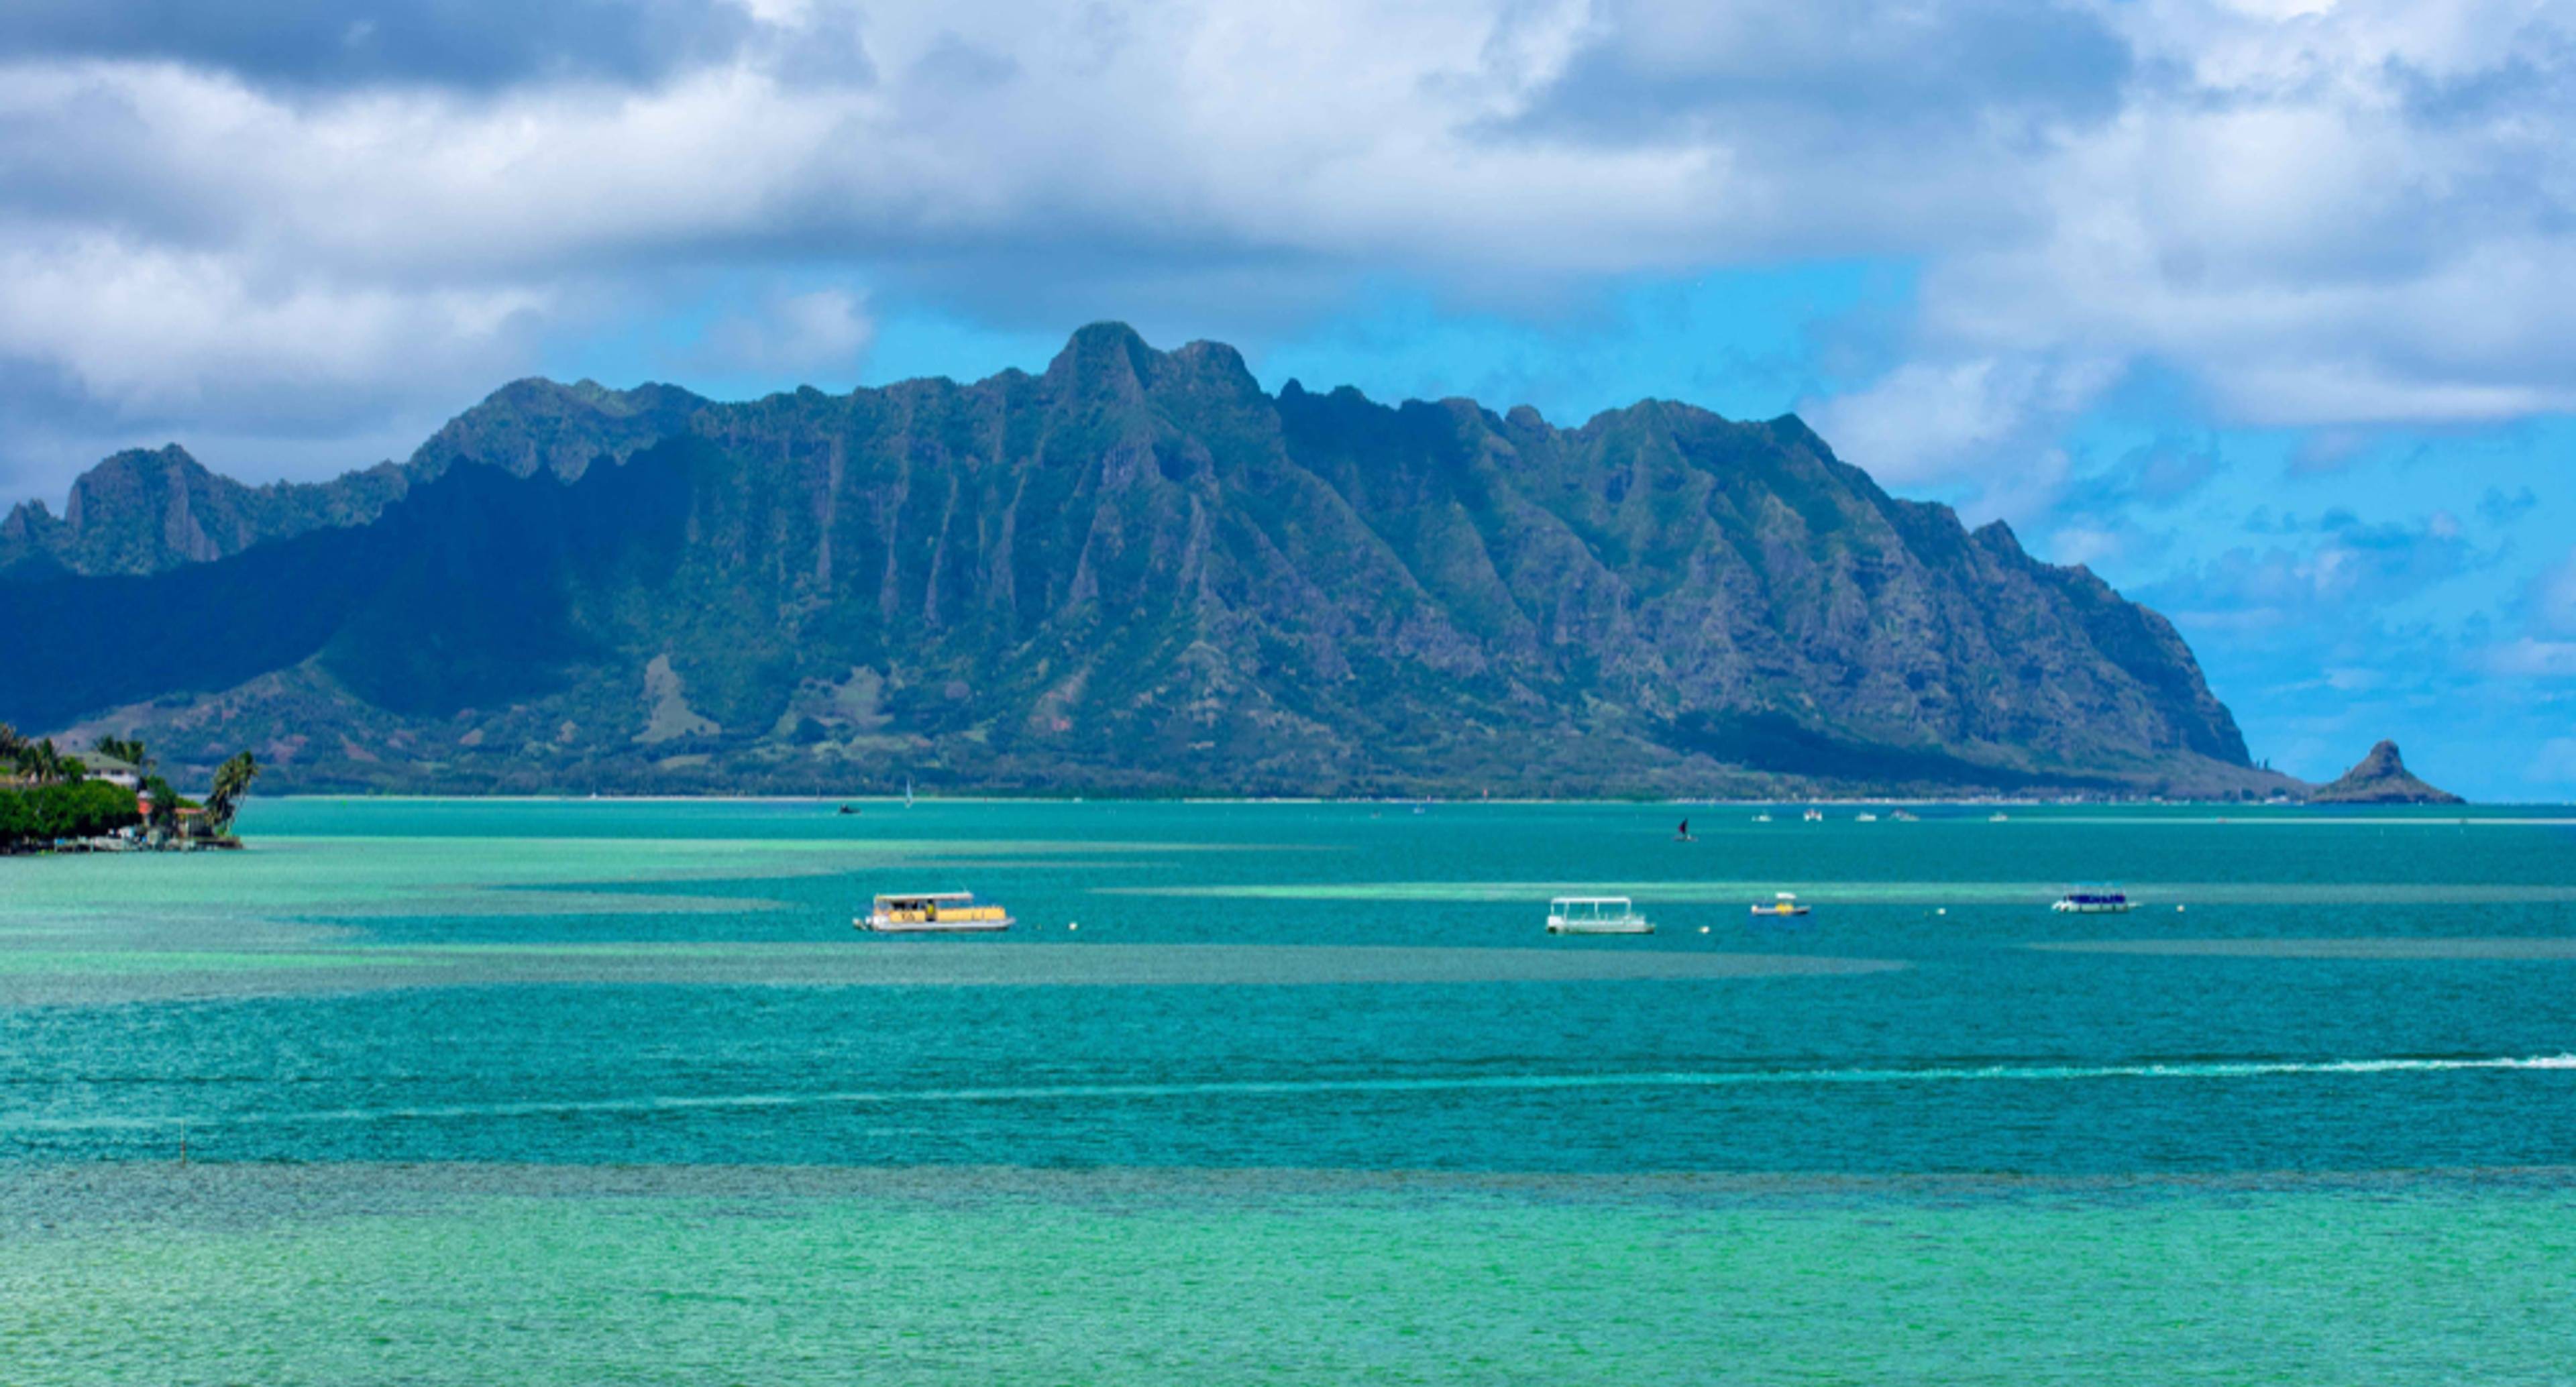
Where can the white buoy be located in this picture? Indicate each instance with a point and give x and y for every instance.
(2177, 910)
(1073, 924)
(1703, 929)
(1944, 910)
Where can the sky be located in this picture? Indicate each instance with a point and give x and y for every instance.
(2263, 309)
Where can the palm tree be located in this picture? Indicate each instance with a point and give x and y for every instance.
(127, 749)
(232, 781)
(40, 763)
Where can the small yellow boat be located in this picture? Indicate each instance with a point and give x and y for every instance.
(933, 912)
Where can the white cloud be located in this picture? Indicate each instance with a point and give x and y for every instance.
(153, 329)
(1326, 131)
(2086, 544)
(2352, 213)
(187, 248)
(819, 334)
(1978, 429)
(2346, 575)
(2530, 658)
(2355, 215)
(2551, 599)
(2554, 763)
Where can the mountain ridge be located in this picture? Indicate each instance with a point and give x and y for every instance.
(1135, 571)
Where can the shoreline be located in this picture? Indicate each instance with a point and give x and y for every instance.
(1864, 801)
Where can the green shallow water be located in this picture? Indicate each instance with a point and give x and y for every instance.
(293, 1276)
(611, 1092)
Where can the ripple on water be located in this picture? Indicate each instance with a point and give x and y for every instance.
(1858, 892)
(2349, 948)
(464, 1274)
(141, 973)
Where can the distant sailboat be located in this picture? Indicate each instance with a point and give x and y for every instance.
(907, 792)
(1682, 834)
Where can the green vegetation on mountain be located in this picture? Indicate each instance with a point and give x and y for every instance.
(147, 512)
(1135, 572)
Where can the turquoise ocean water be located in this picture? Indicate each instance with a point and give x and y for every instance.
(611, 1091)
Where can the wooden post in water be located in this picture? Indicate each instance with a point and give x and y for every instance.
(183, 1141)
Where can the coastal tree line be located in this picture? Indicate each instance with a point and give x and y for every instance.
(50, 796)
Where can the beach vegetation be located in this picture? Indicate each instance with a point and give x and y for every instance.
(232, 781)
(47, 798)
(129, 750)
(40, 762)
(43, 814)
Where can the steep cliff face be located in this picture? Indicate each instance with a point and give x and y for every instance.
(536, 426)
(149, 512)
(1139, 571)
(143, 512)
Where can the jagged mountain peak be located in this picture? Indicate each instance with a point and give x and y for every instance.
(1217, 363)
(1114, 359)
(150, 510)
(1105, 357)
(136, 468)
(1139, 570)
(535, 425)
(169, 457)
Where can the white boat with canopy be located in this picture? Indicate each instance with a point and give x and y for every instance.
(1595, 915)
(933, 912)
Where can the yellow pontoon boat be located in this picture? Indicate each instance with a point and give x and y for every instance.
(934, 912)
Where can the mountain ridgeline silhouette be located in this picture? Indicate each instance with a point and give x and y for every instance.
(1135, 572)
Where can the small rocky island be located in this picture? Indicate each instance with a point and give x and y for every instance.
(2381, 778)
